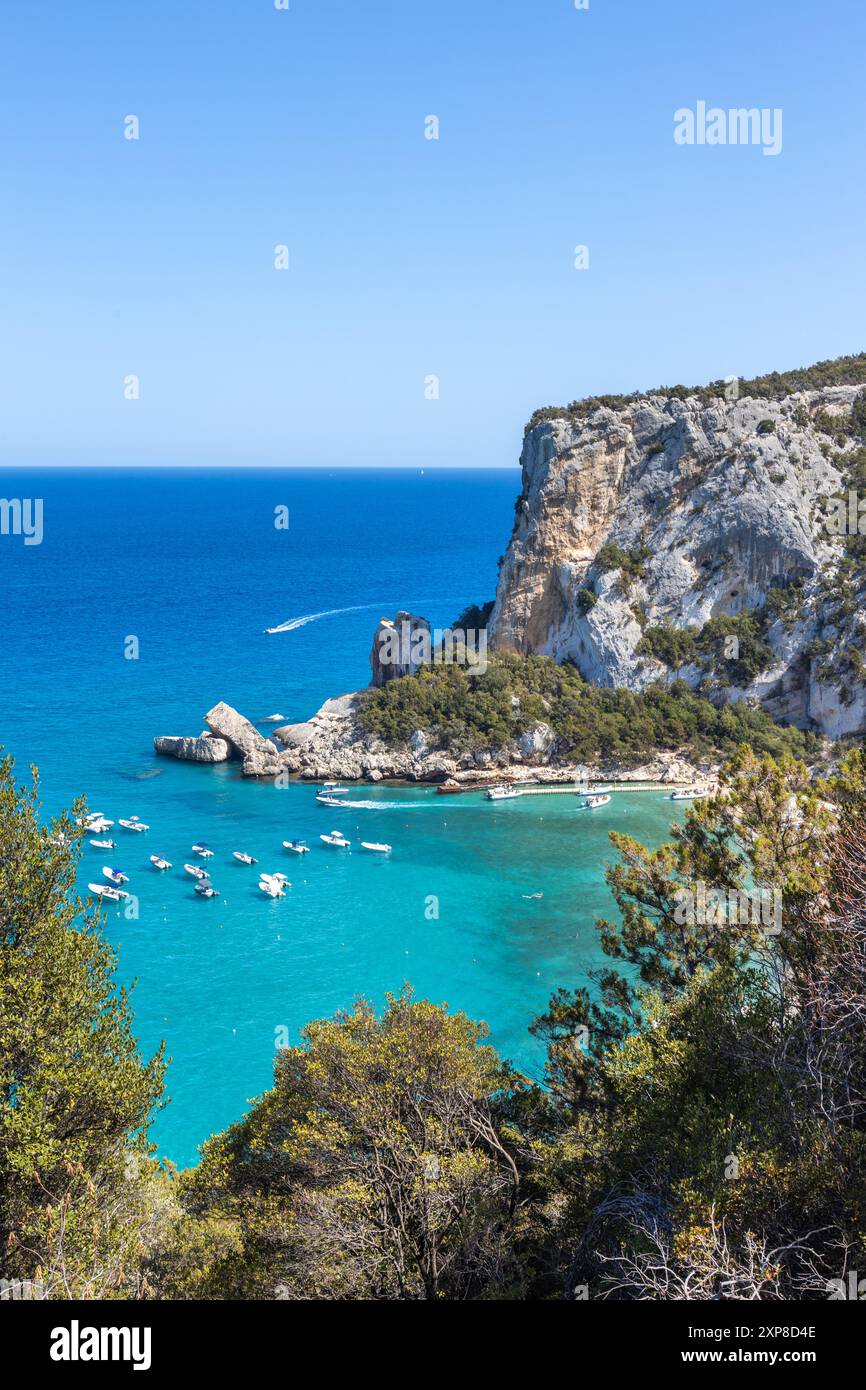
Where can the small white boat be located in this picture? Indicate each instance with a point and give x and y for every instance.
(691, 794)
(196, 870)
(159, 863)
(96, 821)
(337, 839)
(503, 793)
(102, 890)
(297, 846)
(203, 851)
(592, 803)
(272, 887)
(243, 858)
(103, 844)
(207, 890)
(114, 876)
(328, 799)
(335, 789)
(379, 849)
(134, 824)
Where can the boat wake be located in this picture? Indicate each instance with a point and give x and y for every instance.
(379, 805)
(294, 623)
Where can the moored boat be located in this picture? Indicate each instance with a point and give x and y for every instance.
(196, 870)
(379, 849)
(207, 890)
(243, 858)
(133, 823)
(503, 793)
(159, 863)
(337, 839)
(297, 846)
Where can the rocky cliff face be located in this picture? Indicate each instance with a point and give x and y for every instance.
(670, 511)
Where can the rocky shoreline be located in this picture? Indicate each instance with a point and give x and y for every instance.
(334, 744)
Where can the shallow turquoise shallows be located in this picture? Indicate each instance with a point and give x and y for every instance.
(191, 565)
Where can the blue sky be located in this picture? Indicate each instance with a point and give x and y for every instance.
(409, 257)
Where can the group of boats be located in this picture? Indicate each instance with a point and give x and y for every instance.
(590, 802)
(594, 799)
(272, 885)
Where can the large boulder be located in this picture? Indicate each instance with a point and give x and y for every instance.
(260, 756)
(204, 749)
(399, 647)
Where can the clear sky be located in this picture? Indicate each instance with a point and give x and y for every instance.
(408, 257)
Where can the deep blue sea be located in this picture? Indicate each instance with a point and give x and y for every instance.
(191, 565)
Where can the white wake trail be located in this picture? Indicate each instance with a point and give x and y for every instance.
(294, 623)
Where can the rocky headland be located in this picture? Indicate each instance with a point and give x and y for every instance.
(678, 539)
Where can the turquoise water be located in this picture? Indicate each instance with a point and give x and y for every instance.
(191, 565)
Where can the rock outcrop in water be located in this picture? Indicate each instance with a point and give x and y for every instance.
(668, 512)
(204, 749)
(260, 756)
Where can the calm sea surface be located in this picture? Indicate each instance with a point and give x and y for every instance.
(191, 565)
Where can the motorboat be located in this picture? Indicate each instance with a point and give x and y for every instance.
(592, 803)
(335, 789)
(689, 794)
(337, 839)
(114, 876)
(102, 890)
(271, 886)
(328, 799)
(243, 858)
(134, 824)
(103, 844)
(159, 863)
(96, 821)
(379, 849)
(297, 846)
(207, 890)
(196, 870)
(203, 851)
(503, 793)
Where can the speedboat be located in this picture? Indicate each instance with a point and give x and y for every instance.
(691, 794)
(203, 851)
(335, 789)
(133, 824)
(503, 793)
(207, 890)
(103, 844)
(297, 846)
(380, 849)
(196, 870)
(243, 858)
(337, 839)
(96, 821)
(328, 799)
(159, 863)
(592, 803)
(114, 876)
